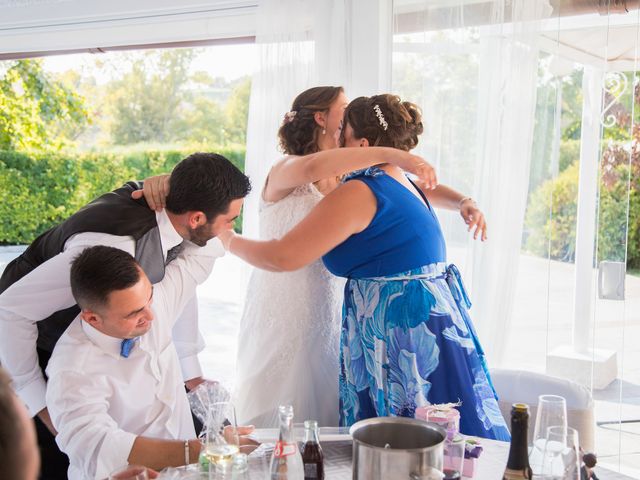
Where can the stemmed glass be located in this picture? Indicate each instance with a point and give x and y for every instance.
(562, 454)
(221, 440)
(552, 412)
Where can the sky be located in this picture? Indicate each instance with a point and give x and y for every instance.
(227, 61)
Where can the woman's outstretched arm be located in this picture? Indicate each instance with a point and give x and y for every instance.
(293, 171)
(347, 210)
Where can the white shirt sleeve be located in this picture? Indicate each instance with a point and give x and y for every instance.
(78, 405)
(184, 274)
(188, 340)
(34, 297)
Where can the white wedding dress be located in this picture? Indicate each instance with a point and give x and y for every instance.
(290, 331)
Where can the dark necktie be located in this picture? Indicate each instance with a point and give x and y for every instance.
(173, 253)
(126, 346)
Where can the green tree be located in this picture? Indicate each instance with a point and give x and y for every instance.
(237, 113)
(147, 99)
(37, 111)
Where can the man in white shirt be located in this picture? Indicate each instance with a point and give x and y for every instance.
(115, 392)
(37, 304)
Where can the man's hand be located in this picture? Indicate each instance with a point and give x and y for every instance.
(155, 191)
(193, 383)
(44, 417)
(247, 443)
(474, 217)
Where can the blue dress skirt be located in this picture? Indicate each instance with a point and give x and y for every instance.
(407, 339)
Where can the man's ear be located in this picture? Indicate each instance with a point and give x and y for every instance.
(196, 219)
(91, 317)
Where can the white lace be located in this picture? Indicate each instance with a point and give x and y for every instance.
(290, 331)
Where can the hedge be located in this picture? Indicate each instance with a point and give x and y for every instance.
(37, 192)
(550, 224)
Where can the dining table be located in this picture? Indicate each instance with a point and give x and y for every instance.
(337, 448)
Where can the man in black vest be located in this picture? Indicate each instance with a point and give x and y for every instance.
(36, 305)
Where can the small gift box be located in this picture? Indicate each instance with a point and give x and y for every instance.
(444, 414)
(472, 452)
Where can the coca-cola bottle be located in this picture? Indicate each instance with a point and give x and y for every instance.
(312, 455)
(286, 463)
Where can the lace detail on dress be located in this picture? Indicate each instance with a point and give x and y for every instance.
(290, 330)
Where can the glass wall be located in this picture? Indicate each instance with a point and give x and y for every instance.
(534, 113)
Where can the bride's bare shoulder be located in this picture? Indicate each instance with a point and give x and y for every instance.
(271, 194)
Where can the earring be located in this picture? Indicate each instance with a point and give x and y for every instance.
(324, 131)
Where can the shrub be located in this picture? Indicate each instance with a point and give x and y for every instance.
(38, 192)
(550, 222)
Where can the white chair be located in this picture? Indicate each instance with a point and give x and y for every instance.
(518, 386)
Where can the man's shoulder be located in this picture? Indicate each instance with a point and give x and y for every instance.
(72, 351)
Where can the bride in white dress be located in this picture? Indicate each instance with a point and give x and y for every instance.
(288, 348)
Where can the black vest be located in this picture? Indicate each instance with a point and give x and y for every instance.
(115, 213)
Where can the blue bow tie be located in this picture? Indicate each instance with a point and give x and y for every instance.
(126, 346)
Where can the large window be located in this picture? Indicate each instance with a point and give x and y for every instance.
(549, 105)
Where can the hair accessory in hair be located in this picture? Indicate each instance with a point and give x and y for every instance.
(289, 116)
(383, 122)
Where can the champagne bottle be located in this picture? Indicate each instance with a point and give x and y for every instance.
(518, 464)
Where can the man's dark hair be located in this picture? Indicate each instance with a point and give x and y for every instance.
(206, 182)
(100, 270)
(11, 432)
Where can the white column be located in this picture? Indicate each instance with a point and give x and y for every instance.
(592, 82)
(594, 367)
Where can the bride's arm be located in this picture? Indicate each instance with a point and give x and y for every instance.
(347, 210)
(293, 171)
(448, 198)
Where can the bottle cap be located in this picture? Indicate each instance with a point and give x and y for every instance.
(310, 424)
(520, 407)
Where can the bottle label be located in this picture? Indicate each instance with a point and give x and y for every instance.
(284, 449)
(310, 470)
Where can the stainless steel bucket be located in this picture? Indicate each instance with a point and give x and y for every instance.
(395, 448)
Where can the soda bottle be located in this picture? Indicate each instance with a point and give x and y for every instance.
(286, 462)
(312, 455)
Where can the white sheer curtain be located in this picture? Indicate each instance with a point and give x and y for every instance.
(472, 66)
(508, 62)
(299, 46)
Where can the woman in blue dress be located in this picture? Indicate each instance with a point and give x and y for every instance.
(407, 339)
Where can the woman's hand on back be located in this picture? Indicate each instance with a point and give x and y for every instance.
(423, 170)
(155, 190)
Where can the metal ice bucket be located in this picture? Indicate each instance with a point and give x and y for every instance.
(395, 448)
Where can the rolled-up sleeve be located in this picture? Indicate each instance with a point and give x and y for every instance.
(78, 406)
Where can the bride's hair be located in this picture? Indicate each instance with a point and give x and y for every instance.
(385, 121)
(299, 132)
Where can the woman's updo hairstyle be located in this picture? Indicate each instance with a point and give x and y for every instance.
(385, 121)
(299, 132)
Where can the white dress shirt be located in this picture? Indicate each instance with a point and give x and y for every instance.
(47, 289)
(100, 402)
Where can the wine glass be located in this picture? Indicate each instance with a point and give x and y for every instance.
(221, 441)
(552, 412)
(130, 472)
(562, 454)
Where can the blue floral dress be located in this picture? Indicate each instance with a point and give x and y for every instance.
(407, 339)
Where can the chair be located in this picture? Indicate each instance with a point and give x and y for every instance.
(518, 386)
